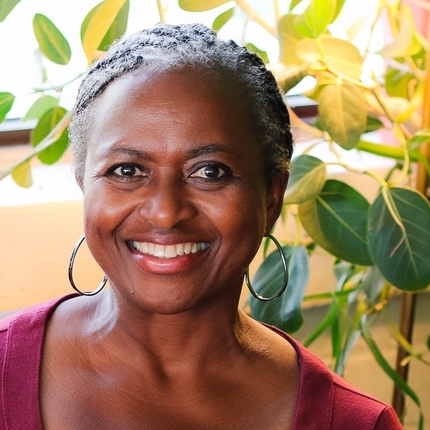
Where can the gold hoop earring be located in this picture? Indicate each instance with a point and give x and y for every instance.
(72, 262)
(284, 284)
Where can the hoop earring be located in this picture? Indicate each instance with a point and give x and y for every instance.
(285, 283)
(72, 262)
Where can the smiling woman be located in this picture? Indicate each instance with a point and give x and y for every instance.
(182, 146)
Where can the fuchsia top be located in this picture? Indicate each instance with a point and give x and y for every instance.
(325, 401)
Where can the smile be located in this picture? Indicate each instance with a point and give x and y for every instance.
(169, 251)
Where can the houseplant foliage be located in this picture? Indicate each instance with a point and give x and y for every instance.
(379, 247)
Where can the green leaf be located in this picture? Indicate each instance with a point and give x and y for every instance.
(284, 312)
(40, 106)
(262, 54)
(398, 83)
(373, 123)
(421, 137)
(342, 109)
(6, 7)
(399, 238)
(341, 57)
(115, 31)
(200, 5)
(45, 125)
(327, 321)
(338, 9)
(308, 175)
(337, 221)
(6, 103)
(222, 19)
(315, 19)
(99, 24)
(21, 174)
(293, 4)
(428, 343)
(288, 38)
(51, 41)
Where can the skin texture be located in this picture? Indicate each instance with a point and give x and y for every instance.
(173, 158)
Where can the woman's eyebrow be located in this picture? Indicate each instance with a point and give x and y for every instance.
(207, 149)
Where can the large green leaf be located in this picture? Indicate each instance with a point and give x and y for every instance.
(340, 56)
(200, 5)
(284, 312)
(308, 175)
(337, 221)
(315, 19)
(6, 7)
(51, 41)
(399, 238)
(6, 103)
(99, 24)
(115, 31)
(222, 19)
(342, 109)
(40, 106)
(45, 125)
(288, 37)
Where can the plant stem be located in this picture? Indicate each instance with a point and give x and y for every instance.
(255, 16)
(161, 10)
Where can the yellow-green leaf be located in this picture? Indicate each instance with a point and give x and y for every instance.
(21, 174)
(315, 19)
(6, 7)
(342, 109)
(222, 19)
(6, 103)
(40, 106)
(99, 25)
(51, 41)
(200, 5)
(262, 54)
(340, 56)
(288, 38)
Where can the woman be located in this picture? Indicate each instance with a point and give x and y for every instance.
(182, 145)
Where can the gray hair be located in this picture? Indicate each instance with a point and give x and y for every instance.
(167, 47)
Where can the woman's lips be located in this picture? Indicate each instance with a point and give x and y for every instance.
(169, 251)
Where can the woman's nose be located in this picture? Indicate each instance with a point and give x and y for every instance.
(167, 204)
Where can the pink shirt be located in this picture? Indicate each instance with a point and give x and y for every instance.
(325, 401)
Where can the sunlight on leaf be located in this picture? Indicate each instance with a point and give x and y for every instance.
(222, 19)
(6, 7)
(21, 174)
(315, 19)
(40, 106)
(288, 38)
(51, 41)
(200, 5)
(6, 103)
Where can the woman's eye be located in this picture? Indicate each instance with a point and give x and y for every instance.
(210, 172)
(127, 171)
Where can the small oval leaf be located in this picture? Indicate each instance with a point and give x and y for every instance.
(400, 248)
(21, 174)
(6, 7)
(222, 19)
(337, 221)
(6, 103)
(51, 41)
(315, 19)
(308, 175)
(45, 125)
(284, 312)
(40, 106)
(342, 110)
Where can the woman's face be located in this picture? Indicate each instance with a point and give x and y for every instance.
(175, 197)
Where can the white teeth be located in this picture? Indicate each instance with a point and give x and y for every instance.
(169, 251)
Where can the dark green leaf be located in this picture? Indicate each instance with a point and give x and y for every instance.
(6, 7)
(428, 343)
(6, 103)
(222, 19)
(51, 41)
(324, 324)
(115, 31)
(315, 19)
(284, 312)
(373, 123)
(45, 125)
(337, 221)
(342, 109)
(200, 5)
(262, 54)
(308, 175)
(40, 106)
(400, 247)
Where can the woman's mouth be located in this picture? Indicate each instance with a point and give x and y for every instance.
(169, 251)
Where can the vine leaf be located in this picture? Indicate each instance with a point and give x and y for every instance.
(6, 103)
(399, 238)
(222, 19)
(342, 110)
(315, 19)
(284, 312)
(337, 221)
(308, 175)
(52, 43)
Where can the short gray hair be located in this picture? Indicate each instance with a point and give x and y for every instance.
(167, 47)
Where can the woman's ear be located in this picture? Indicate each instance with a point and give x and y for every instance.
(274, 200)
